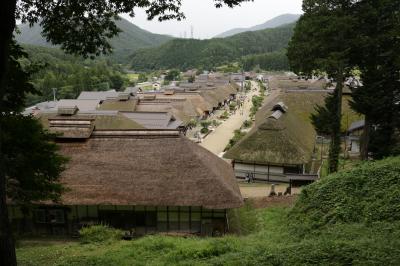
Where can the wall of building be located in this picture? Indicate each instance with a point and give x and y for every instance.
(53, 220)
(272, 173)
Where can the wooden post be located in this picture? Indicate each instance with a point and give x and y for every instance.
(190, 219)
(167, 219)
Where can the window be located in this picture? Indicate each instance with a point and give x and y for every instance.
(40, 216)
(53, 216)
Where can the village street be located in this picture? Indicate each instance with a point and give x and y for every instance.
(219, 138)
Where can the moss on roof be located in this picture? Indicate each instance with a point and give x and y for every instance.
(117, 121)
(288, 140)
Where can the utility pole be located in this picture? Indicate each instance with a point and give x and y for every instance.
(191, 32)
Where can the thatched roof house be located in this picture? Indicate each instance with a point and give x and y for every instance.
(143, 181)
(152, 168)
(282, 142)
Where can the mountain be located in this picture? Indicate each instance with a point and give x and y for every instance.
(273, 23)
(191, 53)
(129, 40)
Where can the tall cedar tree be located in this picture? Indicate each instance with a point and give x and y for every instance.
(79, 27)
(321, 42)
(378, 57)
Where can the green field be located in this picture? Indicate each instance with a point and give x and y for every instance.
(133, 77)
(351, 218)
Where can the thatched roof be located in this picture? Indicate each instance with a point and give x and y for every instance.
(156, 170)
(97, 95)
(288, 140)
(154, 120)
(183, 110)
(128, 105)
(101, 120)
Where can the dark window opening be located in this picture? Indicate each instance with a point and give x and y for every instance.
(293, 170)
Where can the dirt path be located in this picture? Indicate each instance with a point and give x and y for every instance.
(219, 138)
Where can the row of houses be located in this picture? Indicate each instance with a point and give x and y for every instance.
(168, 109)
(132, 167)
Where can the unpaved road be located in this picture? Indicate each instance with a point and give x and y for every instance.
(219, 138)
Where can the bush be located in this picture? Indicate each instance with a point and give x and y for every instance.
(232, 106)
(365, 194)
(205, 124)
(99, 233)
(204, 130)
(225, 115)
(244, 220)
(247, 124)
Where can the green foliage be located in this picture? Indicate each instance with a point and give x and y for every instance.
(257, 103)
(205, 124)
(99, 234)
(274, 61)
(238, 135)
(204, 130)
(366, 194)
(247, 86)
(142, 78)
(206, 54)
(70, 75)
(18, 83)
(247, 124)
(232, 106)
(34, 166)
(173, 74)
(267, 236)
(244, 220)
(192, 123)
(225, 115)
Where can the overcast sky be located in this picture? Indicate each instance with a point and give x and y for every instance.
(207, 21)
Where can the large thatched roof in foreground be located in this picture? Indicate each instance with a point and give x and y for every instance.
(149, 168)
(288, 140)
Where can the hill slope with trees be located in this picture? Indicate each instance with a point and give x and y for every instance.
(190, 53)
(69, 74)
(130, 39)
(272, 23)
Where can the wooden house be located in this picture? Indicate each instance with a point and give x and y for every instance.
(280, 147)
(143, 181)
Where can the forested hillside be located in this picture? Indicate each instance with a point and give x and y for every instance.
(130, 39)
(190, 53)
(70, 74)
(272, 23)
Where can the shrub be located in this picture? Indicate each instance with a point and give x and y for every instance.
(247, 124)
(368, 193)
(205, 124)
(232, 106)
(204, 130)
(225, 115)
(99, 233)
(244, 221)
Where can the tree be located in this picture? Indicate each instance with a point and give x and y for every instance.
(79, 27)
(378, 57)
(173, 75)
(29, 163)
(321, 42)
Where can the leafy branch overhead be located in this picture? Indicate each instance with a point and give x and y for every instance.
(84, 27)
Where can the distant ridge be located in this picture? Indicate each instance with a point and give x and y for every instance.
(129, 40)
(272, 23)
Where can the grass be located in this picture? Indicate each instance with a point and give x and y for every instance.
(273, 243)
(133, 77)
(350, 218)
